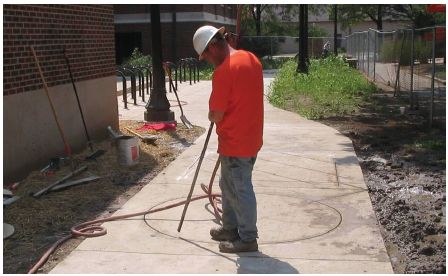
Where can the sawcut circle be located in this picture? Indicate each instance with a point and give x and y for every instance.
(281, 219)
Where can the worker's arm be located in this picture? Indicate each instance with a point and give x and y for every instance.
(215, 116)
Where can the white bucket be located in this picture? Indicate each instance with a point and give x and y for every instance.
(128, 150)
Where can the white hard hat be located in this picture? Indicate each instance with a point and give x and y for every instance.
(202, 37)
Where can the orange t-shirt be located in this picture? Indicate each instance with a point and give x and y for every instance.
(238, 92)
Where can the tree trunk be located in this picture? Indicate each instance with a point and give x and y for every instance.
(258, 19)
(335, 43)
(379, 23)
(301, 64)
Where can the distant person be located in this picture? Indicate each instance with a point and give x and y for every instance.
(236, 106)
(326, 49)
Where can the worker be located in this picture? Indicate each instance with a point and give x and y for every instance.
(326, 49)
(236, 106)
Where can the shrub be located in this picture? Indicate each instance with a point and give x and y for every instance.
(205, 70)
(137, 59)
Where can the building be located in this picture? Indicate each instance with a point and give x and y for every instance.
(178, 24)
(30, 133)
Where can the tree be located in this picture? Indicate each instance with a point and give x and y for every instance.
(349, 15)
(417, 14)
(272, 23)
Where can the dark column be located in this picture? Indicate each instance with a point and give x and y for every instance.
(335, 45)
(307, 60)
(158, 108)
(302, 65)
(174, 34)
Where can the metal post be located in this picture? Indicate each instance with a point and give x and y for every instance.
(358, 49)
(374, 57)
(411, 96)
(362, 47)
(158, 108)
(185, 69)
(125, 99)
(302, 66)
(335, 42)
(368, 53)
(175, 76)
(189, 69)
(431, 110)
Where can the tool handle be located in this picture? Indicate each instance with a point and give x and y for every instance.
(135, 133)
(66, 145)
(45, 190)
(195, 177)
(77, 99)
(170, 81)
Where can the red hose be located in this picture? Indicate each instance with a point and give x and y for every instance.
(96, 230)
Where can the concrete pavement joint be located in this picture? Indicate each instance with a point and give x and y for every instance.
(226, 255)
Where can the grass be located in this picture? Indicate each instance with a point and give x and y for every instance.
(330, 88)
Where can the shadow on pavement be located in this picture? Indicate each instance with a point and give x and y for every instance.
(253, 262)
(262, 263)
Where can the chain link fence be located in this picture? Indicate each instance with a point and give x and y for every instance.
(273, 46)
(411, 61)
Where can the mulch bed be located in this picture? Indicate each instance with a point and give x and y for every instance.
(40, 222)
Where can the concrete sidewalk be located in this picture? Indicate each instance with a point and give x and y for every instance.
(314, 212)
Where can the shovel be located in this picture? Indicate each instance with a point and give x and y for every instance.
(144, 137)
(182, 116)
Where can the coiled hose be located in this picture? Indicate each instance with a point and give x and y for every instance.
(90, 229)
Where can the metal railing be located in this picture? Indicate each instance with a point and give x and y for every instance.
(143, 75)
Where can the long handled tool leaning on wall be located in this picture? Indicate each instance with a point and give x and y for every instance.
(67, 148)
(94, 154)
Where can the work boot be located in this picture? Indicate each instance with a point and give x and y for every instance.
(221, 234)
(238, 246)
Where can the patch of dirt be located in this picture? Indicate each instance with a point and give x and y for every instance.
(41, 222)
(404, 166)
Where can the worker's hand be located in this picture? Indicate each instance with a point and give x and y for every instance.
(215, 116)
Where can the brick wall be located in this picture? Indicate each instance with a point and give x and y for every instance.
(86, 31)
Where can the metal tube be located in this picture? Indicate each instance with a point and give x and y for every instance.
(368, 53)
(431, 110)
(195, 177)
(374, 56)
(411, 96)
(125, 96)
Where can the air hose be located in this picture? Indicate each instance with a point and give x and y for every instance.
(90, 229)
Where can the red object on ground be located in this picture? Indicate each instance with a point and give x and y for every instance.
(158, 126)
